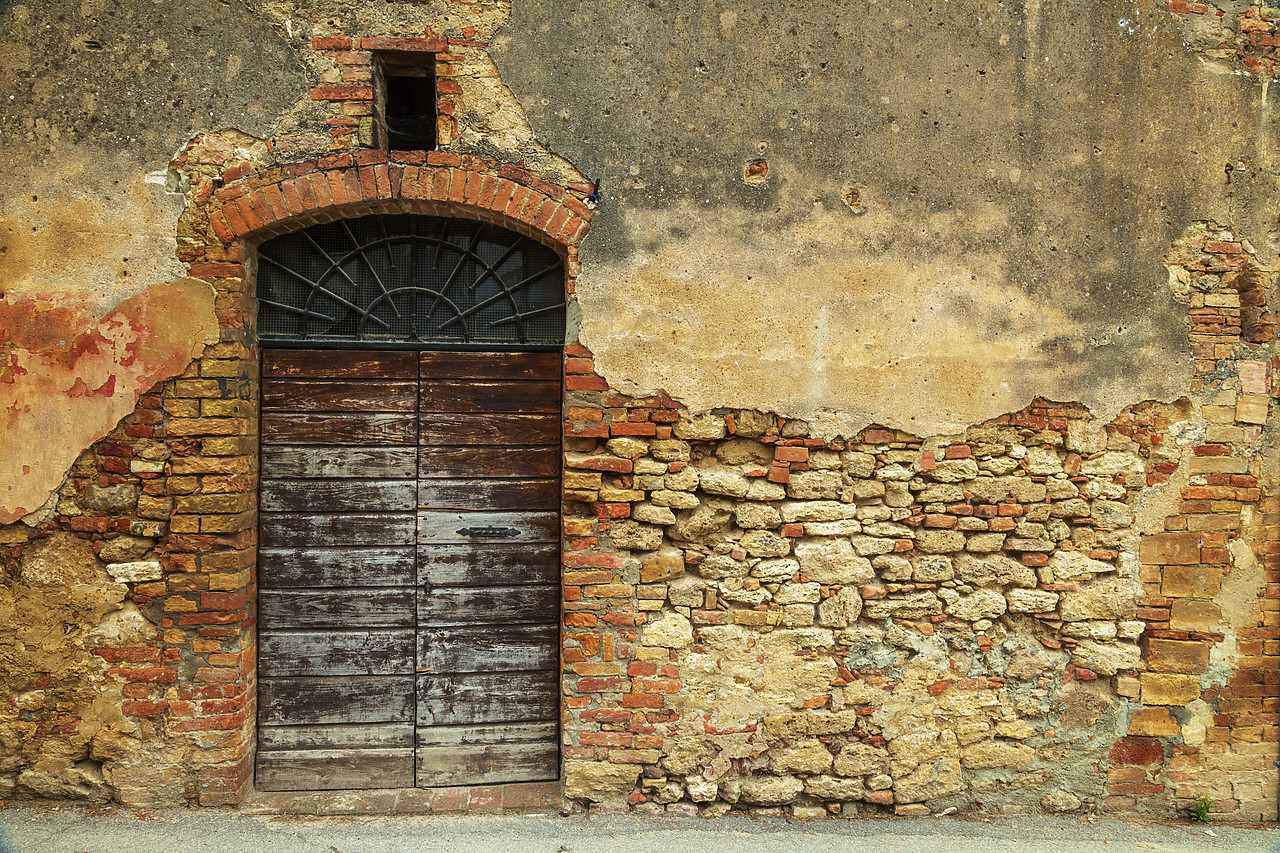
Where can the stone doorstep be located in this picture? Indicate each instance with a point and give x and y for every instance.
(510, 798)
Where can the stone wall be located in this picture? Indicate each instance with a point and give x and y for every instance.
(821, 556)
(758, 618)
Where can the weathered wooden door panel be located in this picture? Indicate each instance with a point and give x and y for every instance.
(339, 364)
(483, 649)
(382, 528)
(334, 769)
(491, 698)
(349, 495)
(488, 429)
(336, 570)
(393, 463)
(493, 605)
(327, 395)
(374, 652)
(328, 567)
(501, 563)
(356, 428)
(313, 701)
(448, 527)
(336, 608)
(366, 735)
(409, 569)
(490, 365)
(514, 751)
(459, 462)
(489, 494)
(470, 395)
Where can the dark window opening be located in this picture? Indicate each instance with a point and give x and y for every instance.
(408, 280)
(405, 111)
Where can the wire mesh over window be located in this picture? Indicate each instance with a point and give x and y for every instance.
(410, 280)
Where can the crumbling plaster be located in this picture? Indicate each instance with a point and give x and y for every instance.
(965, 205)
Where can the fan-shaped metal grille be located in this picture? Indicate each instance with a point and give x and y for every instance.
(410, 280)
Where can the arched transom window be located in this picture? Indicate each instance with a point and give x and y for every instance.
(410, 280)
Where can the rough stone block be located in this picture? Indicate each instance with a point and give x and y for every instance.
(1191, 614)
(664, 565)
(1171, 549)
(833, 561)
(1154, 722)
(1186, 656)
(672, 631)
(706, 427)
(598, 781)
(136, 572)
(1167, 688)
(940, 541)
(995, 753)
(810, 756)
(770, 790)
(860, 759)
(1191, 581)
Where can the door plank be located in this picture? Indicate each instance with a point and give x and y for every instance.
(472, 395)
(493, 605)
(334, 769)
(339, 364)
(282, 568)
(486, 649)
(284, 610)
(332, 395)
(505, 697)
(343, 672)
(491, 365)
(498, 563)
(381, 528)
(337, 495)
(315, 701)
(389, 462)
(341, 428)
(456, 462)
(363, 736)
(437, 428)
(377, 652)
(487, 765)
(445, 526)
(489, 494)
(533, 731)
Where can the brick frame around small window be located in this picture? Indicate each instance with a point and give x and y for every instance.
(357, 101)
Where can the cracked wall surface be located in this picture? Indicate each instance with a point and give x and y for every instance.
(1020, 168)
(919, 439)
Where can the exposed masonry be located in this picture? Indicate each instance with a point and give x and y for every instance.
(1246, 41)
(754, 617)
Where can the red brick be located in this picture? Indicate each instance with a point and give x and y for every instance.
(331, 42)
(416, 45)
(150, 675)
(1140, 751)
(342, 93)
(784, 453)
(632, 429)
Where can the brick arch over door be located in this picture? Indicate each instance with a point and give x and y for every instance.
(232, 220)
(444, 185)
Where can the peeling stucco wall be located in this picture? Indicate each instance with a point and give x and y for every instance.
(1020, 169)
(95, 100)
(67, 381)
(813, 218)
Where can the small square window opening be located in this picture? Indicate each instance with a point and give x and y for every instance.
(405, 106)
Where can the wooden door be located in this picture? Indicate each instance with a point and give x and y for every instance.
(409, 569)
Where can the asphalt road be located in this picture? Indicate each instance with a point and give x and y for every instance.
(122, 830)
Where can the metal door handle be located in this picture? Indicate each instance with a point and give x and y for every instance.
(488, 531)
